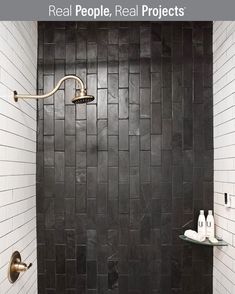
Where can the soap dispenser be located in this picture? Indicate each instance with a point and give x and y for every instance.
(201, 225)
(210, 225)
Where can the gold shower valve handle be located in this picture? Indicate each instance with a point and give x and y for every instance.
(20, 267)
(16, 267)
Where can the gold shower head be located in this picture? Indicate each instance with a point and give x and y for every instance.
(82, 97)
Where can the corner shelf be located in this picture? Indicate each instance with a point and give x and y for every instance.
(205, 243)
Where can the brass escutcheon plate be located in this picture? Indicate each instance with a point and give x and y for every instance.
(12, 275)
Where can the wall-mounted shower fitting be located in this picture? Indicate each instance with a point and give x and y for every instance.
(16, 267)
(81, 96)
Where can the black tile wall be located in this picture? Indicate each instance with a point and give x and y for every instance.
(119, 179)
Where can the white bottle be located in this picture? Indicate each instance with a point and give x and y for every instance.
(201, 225)
(210, 225)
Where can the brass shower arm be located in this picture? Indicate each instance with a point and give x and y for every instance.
(26, 96)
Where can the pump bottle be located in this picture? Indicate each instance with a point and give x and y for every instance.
(210, 225)
(201, 226)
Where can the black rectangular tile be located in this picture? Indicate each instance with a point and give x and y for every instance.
(145, 166)
(102, 283)
(113, 183)
(134, 182)
(91, 150)
(69, 150)
(167, 103)
(102, 70)
(155, 87)
(123, 35)
(91, 274)
(134, 58)
(112, 274)
(145, 134)
(156, 118)
(91, 57)
(48, 119)
(60, 259)
(70, 266)
(102, 135)
(123, 103)
(102, 166)
(69, 126)
(123, 198)
(145, 79)
(113, 213)
(91, 120)
(59, 166)
(102, 104)
(112, 88)
(50, 278)
(81, 197)
(59, 104)
(124, 229)
(113, 58)
(145, 37)
(123, 166)
(102, 191)
(156, 60)
(123, 135)
(112, 119)
(60, 284)
(49, 156)
(123, 73)
(177, 92)
(69, 213)
(101, 230)
(156, 147)
(91, 250)
(70, 244)
(134, 150)
(134, 83)
(113, 36)
(187, 134)
(134, 119)
(91, 213)
(48, 58)
(92, 180)
(81, 44)
(81, 135)
(145, 102)
(70, 58)
(166, 134)
(70, 182)
(113, 150)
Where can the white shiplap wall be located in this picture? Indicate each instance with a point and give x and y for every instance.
(224, 153)
(18, 67)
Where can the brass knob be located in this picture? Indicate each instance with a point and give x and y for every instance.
(20, 267)
(16, 267)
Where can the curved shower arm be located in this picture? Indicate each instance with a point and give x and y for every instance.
(26, 96)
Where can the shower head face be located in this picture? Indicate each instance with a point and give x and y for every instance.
(82, 98)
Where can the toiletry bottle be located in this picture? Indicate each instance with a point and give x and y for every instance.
(201, 225)
(210, 225)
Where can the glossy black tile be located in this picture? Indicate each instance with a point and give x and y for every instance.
(91, 274)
